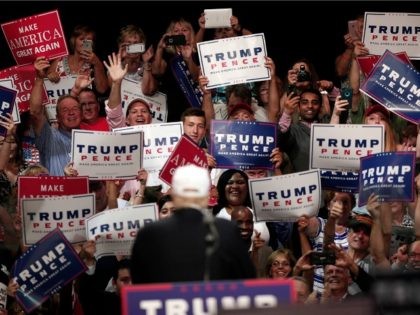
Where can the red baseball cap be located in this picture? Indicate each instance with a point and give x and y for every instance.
(241, 106)
(377, 108)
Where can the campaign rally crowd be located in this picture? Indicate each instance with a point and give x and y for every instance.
(210, 219)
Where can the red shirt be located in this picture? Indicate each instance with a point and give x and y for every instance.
(100, 125)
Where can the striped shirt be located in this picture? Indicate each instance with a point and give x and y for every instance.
(340, 239)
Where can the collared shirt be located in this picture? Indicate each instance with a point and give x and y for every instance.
(54, 146)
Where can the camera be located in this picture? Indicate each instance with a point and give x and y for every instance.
(175, 40)
(303, 75)
(87, 44)
(135, 48)
(322, 258)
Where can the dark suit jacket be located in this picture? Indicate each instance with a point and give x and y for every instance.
(173, 250)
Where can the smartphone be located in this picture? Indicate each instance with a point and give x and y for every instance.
(322, 258)
(175, 40)
(291, 88)
(87, 44)
(352, 25)
(347, 94)
(216, 18)
(135, 48)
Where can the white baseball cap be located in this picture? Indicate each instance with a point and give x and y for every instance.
(191, 181)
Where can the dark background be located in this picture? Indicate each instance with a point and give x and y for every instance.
(296, 29)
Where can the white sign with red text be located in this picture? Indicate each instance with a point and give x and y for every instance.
(392, 31)
(287, 197)
(340, 147)
(107, 155)
(115, 230)
(68, 213)
(234, 60)
(159, 142)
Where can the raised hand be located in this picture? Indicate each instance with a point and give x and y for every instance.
(41, 65)
(115, 70)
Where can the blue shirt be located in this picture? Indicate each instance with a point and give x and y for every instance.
(54, 147)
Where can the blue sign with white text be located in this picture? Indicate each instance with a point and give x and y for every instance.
(205, 297)
(7, 101)
(242, 144)
(390, 175)
(340, 181)
(395, 85)
(44, 269)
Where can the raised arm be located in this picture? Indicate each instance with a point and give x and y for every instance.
(207, 105)
(35, 101)
(101, 81)
(159, 64)
(377, 247)
(273, 108)
(199, 36)
(342, 62)
(149, 83)
(335, 213)
(116, 73)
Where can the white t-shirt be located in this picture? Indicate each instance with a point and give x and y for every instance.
(258, 226)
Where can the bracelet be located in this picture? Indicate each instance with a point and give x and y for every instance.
(323, 92)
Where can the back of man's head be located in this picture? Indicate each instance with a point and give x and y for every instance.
(190, 187)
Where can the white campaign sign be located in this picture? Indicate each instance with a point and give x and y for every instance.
(68, 213)
(234, 60)
(287, 197)
(107, 155)
(54, 91)
(393, 31)
(115, 230)
(130, 90)
(159, 142)
(340, 147)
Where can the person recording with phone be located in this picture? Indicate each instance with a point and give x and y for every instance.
(83, 60)
(133, 52)
(173, 53)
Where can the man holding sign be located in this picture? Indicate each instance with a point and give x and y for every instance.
(54, 145)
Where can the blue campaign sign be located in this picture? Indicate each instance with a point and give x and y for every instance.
(389, 175)
(395, 85)
(205, 297)
(242, 144)
(340, 181)
(44, 269)
(7, 101)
